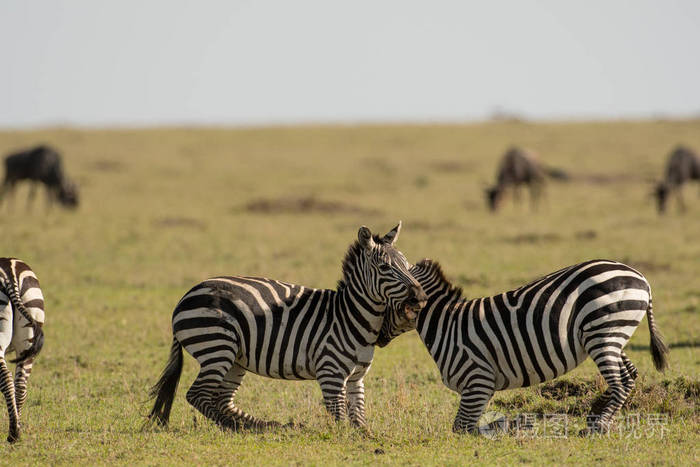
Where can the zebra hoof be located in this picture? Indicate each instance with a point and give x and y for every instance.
(462, 430)
(13, 438)
(598, 405)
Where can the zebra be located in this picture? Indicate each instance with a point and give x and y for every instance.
(683, 166)
(533, 334)
(21, 321)
(232, 325)
(520, 167)
(41, 164)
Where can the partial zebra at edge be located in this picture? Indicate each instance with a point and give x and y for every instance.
(21, 321)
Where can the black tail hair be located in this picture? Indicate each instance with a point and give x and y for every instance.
(12, 290)
(164, 389)
(659, 350)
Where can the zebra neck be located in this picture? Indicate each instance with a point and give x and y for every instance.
(358, 315)
(435, 316)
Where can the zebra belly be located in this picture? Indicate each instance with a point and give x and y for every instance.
(209, 334)
(533, 377)
(292, 370)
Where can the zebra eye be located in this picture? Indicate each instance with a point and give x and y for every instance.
(384, 267)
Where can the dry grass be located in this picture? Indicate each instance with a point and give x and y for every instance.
(165, 208)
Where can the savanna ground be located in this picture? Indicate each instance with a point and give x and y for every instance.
(163, 209)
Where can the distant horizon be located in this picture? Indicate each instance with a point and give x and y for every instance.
(270, 63)
(353, 123)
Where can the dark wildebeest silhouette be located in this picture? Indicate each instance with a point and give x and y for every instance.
(683, 166)
(41, 164)
(520, 167)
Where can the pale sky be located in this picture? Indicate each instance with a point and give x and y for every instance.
(167, 62)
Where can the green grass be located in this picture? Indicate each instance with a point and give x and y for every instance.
(163, 209)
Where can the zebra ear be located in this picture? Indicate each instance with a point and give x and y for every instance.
(364, 236)
(393, 234)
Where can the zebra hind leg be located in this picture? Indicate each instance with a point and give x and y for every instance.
(628, 380)
(631, 369)
(233, 417)
(8, 390)
(471, 407)
(202, 393)
(22, 372)
(620, 384)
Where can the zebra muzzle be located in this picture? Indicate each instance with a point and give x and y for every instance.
(414, 305)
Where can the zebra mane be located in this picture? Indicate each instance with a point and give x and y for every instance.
(434, 269)
(353, 251)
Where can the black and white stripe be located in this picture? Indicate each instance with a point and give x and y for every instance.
(534, 333)
(232, 325)
(21, 321)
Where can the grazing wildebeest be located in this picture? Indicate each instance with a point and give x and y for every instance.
(520, 167)
(683, 166)
(41, 164)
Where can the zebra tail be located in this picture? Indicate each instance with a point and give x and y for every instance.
(164, 389)
(12, 290)
(659, 350)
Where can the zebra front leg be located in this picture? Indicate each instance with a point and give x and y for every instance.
(471, 405)
(356, 402)
(237, 419)
(22, 373)
(333, 390)
(8, 390)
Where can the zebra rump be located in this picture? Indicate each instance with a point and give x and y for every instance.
(10, 286)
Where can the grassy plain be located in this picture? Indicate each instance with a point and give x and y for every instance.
(165, 208)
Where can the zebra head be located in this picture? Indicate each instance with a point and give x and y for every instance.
(429, 274)
(397, 321)
(384, 273)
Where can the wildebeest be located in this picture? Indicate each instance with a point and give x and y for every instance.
(683, 166)
(41, 164)
(520, 167)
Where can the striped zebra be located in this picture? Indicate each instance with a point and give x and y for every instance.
(21, 320)
(232, 325)
(533, 334)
